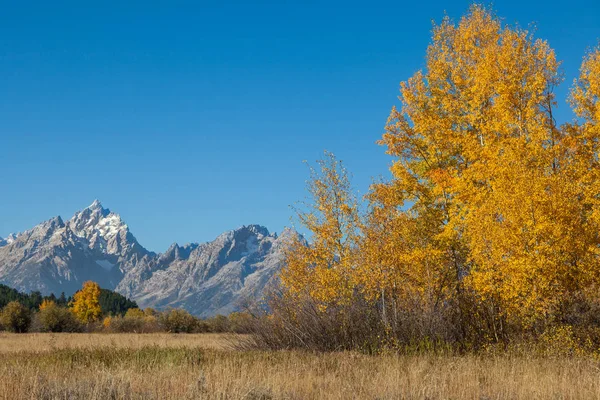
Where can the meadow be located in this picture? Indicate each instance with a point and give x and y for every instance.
(471, 273)
(210, 366)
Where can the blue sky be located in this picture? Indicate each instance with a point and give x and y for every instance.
(190, 119)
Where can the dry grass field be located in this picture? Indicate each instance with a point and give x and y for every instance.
(163, 366)
(45, 342)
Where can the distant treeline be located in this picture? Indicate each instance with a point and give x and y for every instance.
(111, 303)
(93, 309)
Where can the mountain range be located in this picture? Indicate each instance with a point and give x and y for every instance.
(95, 244)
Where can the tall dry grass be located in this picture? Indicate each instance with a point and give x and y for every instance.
(41, 342)
(93, 366)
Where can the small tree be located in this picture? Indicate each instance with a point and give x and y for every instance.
(323, 268)
(86, 305)
(62, 300)
(15, 317)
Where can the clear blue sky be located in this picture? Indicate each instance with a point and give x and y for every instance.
(193, 118)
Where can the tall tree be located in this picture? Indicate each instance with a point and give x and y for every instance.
(481, 159)
(86, 304)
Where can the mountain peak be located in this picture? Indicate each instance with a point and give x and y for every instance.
(54, 222)
(102, 228)
(258, 230)
(96, 205)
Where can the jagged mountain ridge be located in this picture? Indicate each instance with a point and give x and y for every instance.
(95, 244)
(8, 240)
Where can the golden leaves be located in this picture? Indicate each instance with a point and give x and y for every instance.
(86, 305)
(322, 269)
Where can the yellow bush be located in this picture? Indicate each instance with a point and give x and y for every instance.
(106, 322)
(560, 341)
(134, 313)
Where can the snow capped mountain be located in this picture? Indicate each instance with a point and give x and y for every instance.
(95, 244)
(50, 258)
(104, 230)
(96, 223)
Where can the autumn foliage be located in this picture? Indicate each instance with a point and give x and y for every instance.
(86, 304)
(490, 223)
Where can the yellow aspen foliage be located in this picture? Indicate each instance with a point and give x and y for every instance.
(585, 96)
(322, 268)
(107, 321)
(47, 304)
(492, 208)
(402, 259)
(582, 173)
(86, 305)
(482, 164)
(583, 144)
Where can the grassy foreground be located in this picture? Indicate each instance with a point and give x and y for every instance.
(163, 366)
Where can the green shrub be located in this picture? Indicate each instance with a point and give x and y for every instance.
(15, 317)
(53, 318)
(179, 321)
(126, 325)
(240, 322)
(134, 321)
(218, 324)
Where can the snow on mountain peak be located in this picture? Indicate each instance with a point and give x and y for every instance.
(96, 222)
(95, 205)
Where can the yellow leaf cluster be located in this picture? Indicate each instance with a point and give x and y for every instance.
(46, 304)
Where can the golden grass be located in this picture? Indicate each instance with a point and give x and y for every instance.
(10, 342)
(129, 366)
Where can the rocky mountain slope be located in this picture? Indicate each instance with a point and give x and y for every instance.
(95, 244)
